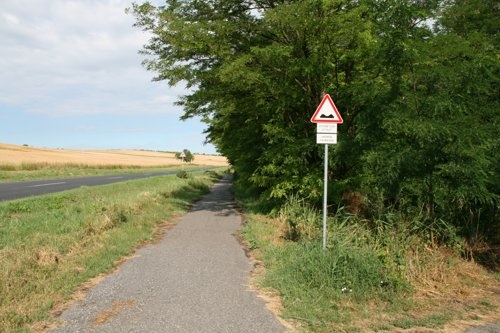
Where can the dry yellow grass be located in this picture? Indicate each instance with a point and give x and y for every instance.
(16, 155)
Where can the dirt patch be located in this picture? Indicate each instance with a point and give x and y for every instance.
(47, 257)
(116, 307)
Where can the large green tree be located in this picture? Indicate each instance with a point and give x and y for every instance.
(415, 81)
(439, 156)
(258, 69)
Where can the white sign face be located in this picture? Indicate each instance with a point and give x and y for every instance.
(326, 138)
(326, 128)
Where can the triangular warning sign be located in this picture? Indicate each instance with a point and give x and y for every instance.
(327, 112)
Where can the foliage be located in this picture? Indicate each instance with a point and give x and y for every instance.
(416, 83)
(188, 156)
(438, 156)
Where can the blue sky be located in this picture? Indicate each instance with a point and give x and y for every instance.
(71, 77)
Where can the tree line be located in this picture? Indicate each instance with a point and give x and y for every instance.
(416, 82)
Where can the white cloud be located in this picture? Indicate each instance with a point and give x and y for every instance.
(63, 57)
(10, 19)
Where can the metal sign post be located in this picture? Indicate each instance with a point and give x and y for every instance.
(326, 117)
(182, 155)
(325, 194)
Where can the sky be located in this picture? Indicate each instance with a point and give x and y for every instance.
(71, 77)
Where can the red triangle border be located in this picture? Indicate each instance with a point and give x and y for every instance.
(316, 119)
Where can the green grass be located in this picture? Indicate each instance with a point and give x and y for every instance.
(366, 279)
(50, 245)
(39, 171)
(431, 321)
(324, 290)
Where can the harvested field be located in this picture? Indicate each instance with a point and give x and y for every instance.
(17, 155)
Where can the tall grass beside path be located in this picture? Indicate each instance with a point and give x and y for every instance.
(325, 290)
(51, 245)
(371, 277)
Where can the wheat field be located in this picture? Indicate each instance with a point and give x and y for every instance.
(17, 155)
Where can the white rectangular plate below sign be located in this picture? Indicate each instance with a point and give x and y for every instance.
(326, 138)
(326, 128)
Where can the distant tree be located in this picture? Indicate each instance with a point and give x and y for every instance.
(188, 156)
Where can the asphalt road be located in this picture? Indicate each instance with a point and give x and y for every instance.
(196, 279)
(17, 190)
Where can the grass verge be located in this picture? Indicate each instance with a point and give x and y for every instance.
(40, 171)
(51, 245)
(368, 279)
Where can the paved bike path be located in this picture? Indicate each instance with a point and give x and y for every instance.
(196, 279)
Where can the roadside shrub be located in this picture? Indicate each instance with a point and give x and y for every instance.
(182, 174)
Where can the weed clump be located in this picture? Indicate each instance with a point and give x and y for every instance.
(356, 262)
(182, 174)
(301, 221)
